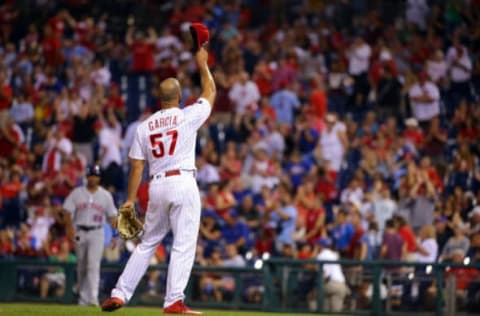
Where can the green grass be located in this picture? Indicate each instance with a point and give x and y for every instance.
(73, 310)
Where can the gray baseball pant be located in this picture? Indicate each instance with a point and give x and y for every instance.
(89, 250)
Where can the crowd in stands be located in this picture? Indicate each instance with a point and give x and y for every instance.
(353, 121)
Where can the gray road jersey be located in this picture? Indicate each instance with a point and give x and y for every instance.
(90, 209)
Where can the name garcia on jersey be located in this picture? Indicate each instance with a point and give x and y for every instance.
(162, 122)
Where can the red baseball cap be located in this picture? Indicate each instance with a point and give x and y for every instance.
(200, 34)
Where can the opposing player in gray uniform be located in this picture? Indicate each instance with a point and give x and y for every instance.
(87, 207)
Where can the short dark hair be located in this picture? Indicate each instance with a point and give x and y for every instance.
(390, 223)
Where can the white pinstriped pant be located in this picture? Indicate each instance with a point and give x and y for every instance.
(174, 203)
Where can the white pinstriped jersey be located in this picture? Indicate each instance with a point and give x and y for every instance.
(166, 140)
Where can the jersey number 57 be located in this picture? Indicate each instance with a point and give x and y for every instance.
(158, 149)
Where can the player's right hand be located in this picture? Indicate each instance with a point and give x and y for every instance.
(201, 56)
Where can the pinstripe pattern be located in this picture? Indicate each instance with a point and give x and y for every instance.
(174, 201)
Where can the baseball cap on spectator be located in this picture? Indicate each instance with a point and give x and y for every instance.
(330, 118)
(185, 56)
(94, 171)
(422, 75)
(56, 201)
(232, 213)
(441, 219)
(385, 55)
(325, 242)
(475, 211)
(40, 211)
(411, 122)
(166, 54)
(210, 213)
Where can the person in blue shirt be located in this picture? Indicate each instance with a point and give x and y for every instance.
(236, 231)
(284, 101)
(284, 217)
(306, 135)
(342, 232)
(295, 168)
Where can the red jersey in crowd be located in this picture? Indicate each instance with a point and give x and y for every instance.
(464, 276)
(311, 221)
(318, 101)
(57, 25)
(354, 245)
(10, 190)
(51, 48)
(142, 56)
(408, 237)
(6, 97)
(415, 136)
(7, 146)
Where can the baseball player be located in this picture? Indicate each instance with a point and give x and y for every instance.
(87, 207)
(166, 141)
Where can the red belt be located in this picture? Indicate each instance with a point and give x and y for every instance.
(169, 173)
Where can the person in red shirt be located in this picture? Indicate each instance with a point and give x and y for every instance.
(326, 186)
(57, 22)
(413, 134)
(11, 138)
(354, 249)
(432, 174)
(9, 191)
(142, 50)
(464, 276)
(5, 98)
(6, 243)
(408, 237)
(51, 47)
(263, 78)
(469, 131)
(116, 101)
(265, 242)
(318, 98)
(315, 222)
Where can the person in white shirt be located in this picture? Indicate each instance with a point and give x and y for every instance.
(57, 147)
(358, 66)
(460, 69)
(437, 68)
(166, 143)
(359, 57)
(100, 75)
(335, 288)
(110, 156)
(383, 207)
(206, 174)
(427, 252)
(416, 13)
(333, 142)
(424, 99)
(352, 193)
(129, 136)
(244, 93)
(427, 247)
(22, 111)
(40, 224)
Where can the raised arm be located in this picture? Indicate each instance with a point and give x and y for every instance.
(209, 90)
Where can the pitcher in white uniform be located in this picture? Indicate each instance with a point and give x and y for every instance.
(166, 141)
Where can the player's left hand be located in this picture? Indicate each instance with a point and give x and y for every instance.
(128, 225)
(128, 204)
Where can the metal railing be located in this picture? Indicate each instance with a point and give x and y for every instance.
(276, 286)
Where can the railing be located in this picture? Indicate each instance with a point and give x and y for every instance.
(278, 285)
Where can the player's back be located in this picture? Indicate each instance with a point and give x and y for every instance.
(166, 140)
